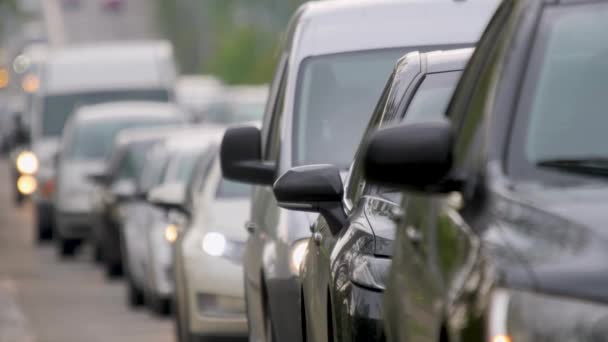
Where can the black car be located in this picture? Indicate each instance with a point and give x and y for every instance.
(502, 235)
(343, 274)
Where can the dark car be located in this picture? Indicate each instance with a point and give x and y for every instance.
(344, 271)
(331, 73)
(502, 236)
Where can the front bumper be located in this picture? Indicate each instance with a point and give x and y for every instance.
(74, 225)
(215, 296)
(361, 318)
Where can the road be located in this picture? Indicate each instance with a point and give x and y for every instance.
(45, 299)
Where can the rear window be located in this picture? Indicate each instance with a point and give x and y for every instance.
(58, 108)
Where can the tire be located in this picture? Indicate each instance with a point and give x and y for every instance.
(113, 269)
(135, 296)
(159, 306)
(44, 227)
(268, 326)
(67, 247)
(97, 254)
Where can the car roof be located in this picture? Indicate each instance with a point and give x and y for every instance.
(122, 65)
(334, 26)
(127, 109)
(131, 135)
(447, 60)
(195, 139)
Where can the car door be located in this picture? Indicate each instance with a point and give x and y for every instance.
(263, 203)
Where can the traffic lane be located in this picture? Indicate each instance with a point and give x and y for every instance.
(91, 22)
(44, 298)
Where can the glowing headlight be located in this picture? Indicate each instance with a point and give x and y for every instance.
(298, 252)
(214, 244)
(521, 316)
(27, 163)
(370, 271)
(26, 184)
(171, 233)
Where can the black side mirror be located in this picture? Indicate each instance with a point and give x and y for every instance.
(414, 156)
(241, 157)
(315, 188)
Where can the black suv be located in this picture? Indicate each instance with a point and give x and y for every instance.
(501, 235)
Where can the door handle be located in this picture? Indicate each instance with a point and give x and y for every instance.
(317, 238)
(413, 235)
(251, 227)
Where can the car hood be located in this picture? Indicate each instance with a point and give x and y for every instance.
(228, 217)
(553, 239)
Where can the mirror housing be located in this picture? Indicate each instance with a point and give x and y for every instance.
(241, 157)
(313, 188)
(169, 196)
(124, 189)
(414, 156)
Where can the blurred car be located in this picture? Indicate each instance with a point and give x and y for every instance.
(349, 255)
(196, 93)
(502, 237)
(147, 235)
(85, 146)
(323, 94)
(237, 104)
(85, 75)
(209, 299)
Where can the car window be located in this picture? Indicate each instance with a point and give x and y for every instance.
(153, 169)
(432, 97)
(335, 97)
(561, 122)
(181, 166)
(93, 140)
(58, 108)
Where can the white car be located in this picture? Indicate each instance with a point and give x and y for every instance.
(209, 294)
(195, 93)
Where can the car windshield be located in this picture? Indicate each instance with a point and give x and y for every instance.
(563, 120)
(335, 97)
(229, 189)
(131, 166)
(238, 111)
(181, 166)
(58, 108)
(93, 140)
(432, 97)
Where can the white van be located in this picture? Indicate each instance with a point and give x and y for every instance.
(86, 75)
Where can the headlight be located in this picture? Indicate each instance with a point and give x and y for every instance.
(519, 316)
(298, 252)
(171, 233)
(26, 184)
(370, 271)
(217, 245)
(27, 163)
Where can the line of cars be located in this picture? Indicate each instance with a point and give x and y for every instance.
(463, 201)
(120, 153)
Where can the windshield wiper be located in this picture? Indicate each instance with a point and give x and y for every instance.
(597, 166)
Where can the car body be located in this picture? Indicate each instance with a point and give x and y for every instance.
(147, 250)
(501, 237)
(196, 93)
(329, 78)
(339, 295)
(210, 298)
(120, 192)
(85, 147)
(85, 75)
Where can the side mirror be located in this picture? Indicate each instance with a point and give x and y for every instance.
(124, 189)
(241, 157)
(315, 188)
(169, 196)
(414, 156)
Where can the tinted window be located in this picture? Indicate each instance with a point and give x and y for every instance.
(229, 189)
(181, 166)
(563, 116)
(93, 140)
(335, 98)
(58, 108)
(154, 165)
(432, 97)
(132, 162)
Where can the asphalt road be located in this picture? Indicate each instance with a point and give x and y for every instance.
(45, 299)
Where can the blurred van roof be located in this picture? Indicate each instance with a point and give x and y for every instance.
(115, 65)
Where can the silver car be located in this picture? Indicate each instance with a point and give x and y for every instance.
(85, 146)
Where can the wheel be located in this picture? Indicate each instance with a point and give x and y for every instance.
(135, 296)
(97, 254)
(113, 269)
(269, 330)
(44, 227)
(159, 306)
(67, 247)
